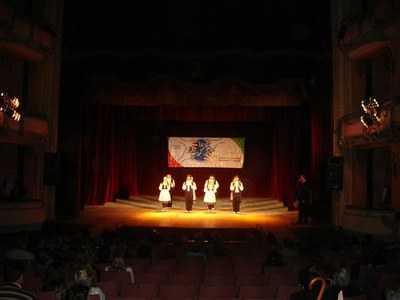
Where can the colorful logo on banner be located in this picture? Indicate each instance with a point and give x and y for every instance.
(202, 152)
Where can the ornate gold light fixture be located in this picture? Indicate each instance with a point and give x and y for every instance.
(9, 105)
(371, 113)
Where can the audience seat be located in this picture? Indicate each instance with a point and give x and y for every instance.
(182, 279)
(255, 270)
(269, 270)
(261, 292)
(211, 270)
(217, 292)
(177, 292)
(110, 288)
(122, 276)
(46, 296)
(158, 268)
(151, 278)
(283, 291)
(189, 268)
(250, 280)
(32, 283)
(137, 264)
(146, 290)
(124, 298)
(219, 280)
(283, 279)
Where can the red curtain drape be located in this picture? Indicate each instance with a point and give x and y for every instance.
(124, 148)
(321, 149)
(286, 158)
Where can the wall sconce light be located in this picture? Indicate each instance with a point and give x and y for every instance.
(371, 113)
(9, 105)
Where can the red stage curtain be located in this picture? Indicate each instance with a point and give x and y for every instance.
(321, 149)
(124, 148)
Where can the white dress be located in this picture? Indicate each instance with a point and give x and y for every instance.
(165, 196)
(210, 190)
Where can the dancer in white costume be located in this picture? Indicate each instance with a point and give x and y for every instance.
(210, 189)
(165, 196)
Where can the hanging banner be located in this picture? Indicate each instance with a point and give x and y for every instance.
(205, 152)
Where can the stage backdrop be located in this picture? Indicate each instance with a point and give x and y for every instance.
(205, 152)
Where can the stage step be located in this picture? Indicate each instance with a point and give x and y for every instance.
(256, 205)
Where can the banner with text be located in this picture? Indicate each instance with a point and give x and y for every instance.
(205, 152)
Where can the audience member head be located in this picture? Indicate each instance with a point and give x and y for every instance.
(118, 262)
(13, 271)
(84, 275)
(392, 292)
(341, 277)
(77, 292)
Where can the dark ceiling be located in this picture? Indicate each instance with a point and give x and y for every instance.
(197, 40)
(196, 26)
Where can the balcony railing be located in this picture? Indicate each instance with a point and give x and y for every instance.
(33, 128)
(354, 133)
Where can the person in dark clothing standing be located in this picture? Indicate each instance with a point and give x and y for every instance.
(303, 196)
(236, 188)
(189, 186)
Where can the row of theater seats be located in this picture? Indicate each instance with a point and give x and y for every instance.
(193, 285)
(151, 291)
(192, 278)
(229, 277)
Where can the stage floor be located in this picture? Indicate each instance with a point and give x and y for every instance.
(266, 214)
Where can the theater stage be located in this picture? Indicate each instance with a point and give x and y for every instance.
(264, 214)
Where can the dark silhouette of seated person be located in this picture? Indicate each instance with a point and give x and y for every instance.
(305, 278)
(77, 292)
(118, 265)
(274, 259)
(86, 275)
(13, 272)
(391, 292)
(55, 279)
(341, 282)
